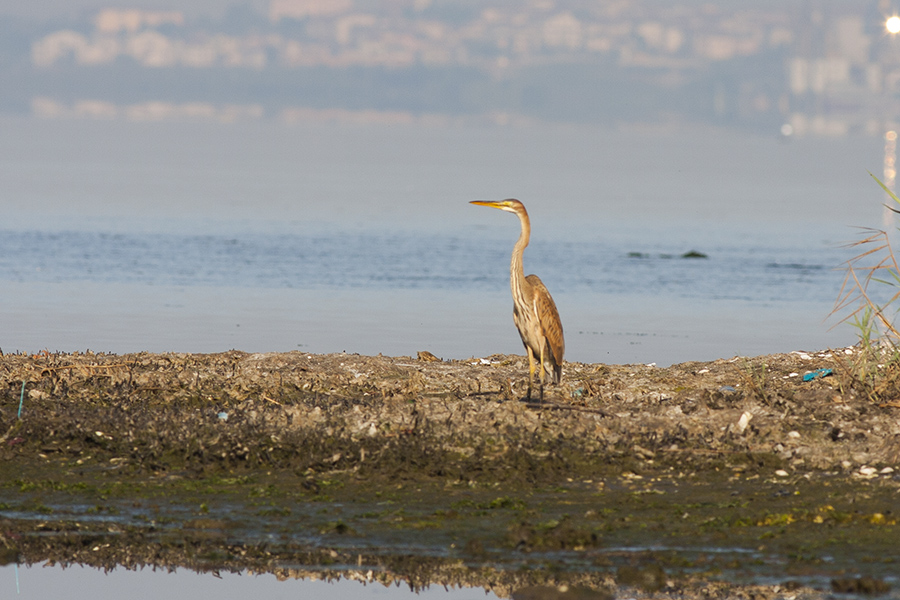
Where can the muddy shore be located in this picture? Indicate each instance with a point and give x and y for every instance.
(695, 480)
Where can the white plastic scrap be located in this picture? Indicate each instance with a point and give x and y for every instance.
(744, 421)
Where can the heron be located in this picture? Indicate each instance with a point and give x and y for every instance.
(534, 311)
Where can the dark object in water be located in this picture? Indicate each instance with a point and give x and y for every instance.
(694, 254)
(860, 585)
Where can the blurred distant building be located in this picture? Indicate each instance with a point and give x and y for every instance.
(812, 67)
(113, 20)
(301, 9)
(844, 74)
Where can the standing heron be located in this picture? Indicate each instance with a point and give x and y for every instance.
(534, 311)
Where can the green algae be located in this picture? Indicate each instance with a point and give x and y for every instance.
(815, 525)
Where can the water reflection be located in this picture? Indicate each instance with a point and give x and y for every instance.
(86, 583)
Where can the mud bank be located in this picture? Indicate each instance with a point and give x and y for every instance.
(746, 475)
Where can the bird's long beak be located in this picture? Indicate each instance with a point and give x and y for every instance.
(490, 203)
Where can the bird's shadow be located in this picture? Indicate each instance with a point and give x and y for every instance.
(551, 405)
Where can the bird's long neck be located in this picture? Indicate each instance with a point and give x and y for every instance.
(516, 270)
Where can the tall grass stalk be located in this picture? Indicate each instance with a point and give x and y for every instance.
(870, 275)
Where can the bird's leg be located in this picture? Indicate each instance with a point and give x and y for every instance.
(542, 372)
(530, 370)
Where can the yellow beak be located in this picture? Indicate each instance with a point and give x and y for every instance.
(490, 203)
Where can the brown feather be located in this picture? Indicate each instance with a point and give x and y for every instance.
(550, 324)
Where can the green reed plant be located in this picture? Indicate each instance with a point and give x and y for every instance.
(871, 275)
(754, 379)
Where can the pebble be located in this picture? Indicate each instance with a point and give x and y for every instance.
(781, 473)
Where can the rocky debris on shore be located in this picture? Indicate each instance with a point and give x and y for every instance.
(794, 412)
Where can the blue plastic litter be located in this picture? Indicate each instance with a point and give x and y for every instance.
(727, 388)
(21, 400)
(817, 373)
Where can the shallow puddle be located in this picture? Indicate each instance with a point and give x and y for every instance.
(86, 583)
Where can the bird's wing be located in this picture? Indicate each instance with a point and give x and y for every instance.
(548, 317)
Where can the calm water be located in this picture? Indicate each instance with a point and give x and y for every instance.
(200, 238)
(85, 583)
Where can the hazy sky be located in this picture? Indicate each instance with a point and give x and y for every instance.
(49, 8)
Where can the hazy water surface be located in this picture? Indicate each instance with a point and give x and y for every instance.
(76, 582)
(196, 237)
